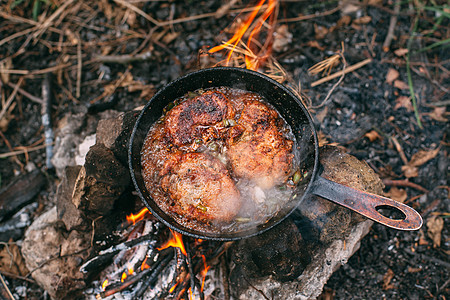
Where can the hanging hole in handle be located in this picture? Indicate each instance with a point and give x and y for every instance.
(390, 212)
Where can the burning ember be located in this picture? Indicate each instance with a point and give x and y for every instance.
(254, 52)
(143, 269)
(137, 217)
(176, 241)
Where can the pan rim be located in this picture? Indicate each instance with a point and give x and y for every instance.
(233, 235)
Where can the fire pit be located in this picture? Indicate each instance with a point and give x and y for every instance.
(142, 258)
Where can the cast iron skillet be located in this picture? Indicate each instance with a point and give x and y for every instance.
(299, 119)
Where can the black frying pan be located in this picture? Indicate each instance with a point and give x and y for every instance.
(299, 119)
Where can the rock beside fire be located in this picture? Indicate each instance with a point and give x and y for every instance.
(59, 241)
(115, 134)
(100, 182)
(326, 236)
(54, 255)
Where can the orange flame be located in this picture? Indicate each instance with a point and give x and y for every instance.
(137, 217)
(130, 271)
(176, 241)
(173, 288)
(104, 284)
(144, 265)
(251, 62)
(204, 272)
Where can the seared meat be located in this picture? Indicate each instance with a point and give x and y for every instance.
(187, 121)
(200, 187)
(257, 149)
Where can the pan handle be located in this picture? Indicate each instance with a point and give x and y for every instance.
(366, 204)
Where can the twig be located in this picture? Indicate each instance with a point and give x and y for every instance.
(26, 94)
(154, 272)
(222, 11)
(42, 28)
(341, 54)
(106, 254)
(408, 73)
(309, 17)
(404, 182)
(36, 72)
(14, 153)
(47, 119)
(10, 98)
(337, 74)
(109, 93)
(16, 35)
(399, 150)
(21, 20)
(138, 11)
(208, 15)
(6, 287)
(79, 68)
(392, 24)
(14, 276)
(124, 59)
(258, 290)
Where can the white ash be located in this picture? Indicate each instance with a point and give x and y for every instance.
(83, 149)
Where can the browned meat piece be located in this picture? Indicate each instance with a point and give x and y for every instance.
(200, 188)
(185, 121)
(261, 153)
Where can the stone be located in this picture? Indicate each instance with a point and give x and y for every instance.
(67, 211)
(71, 132)
(114, 134)
(327, 236)
(100, 182)
(54, 255)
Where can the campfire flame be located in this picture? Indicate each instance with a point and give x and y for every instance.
(176, 241)
(104, 284)
(144, 265)
(253, 58)
(204, 272)
(133, 218)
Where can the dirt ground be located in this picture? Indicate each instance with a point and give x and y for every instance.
(115, 54)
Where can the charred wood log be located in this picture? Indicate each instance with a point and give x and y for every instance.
(20, 192)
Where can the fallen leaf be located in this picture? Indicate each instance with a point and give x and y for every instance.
(348, 8)
(171, 36)
(410, 171)
(106, 8)
(401, 85)
(435, 224)
(345, 20)
(391, 75)
(387, 278)
(322, 139)
(414, 270)
(403, 101)
(422, 239)
(320, 31)
(401, 51)
(363, 20)
(373, 135)
(320, 116)
(282, 38)
(11, 260)
(422, 156)
(397, 194)
(131, 17)
(315, 44)
(438, 114)
(5, 65)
